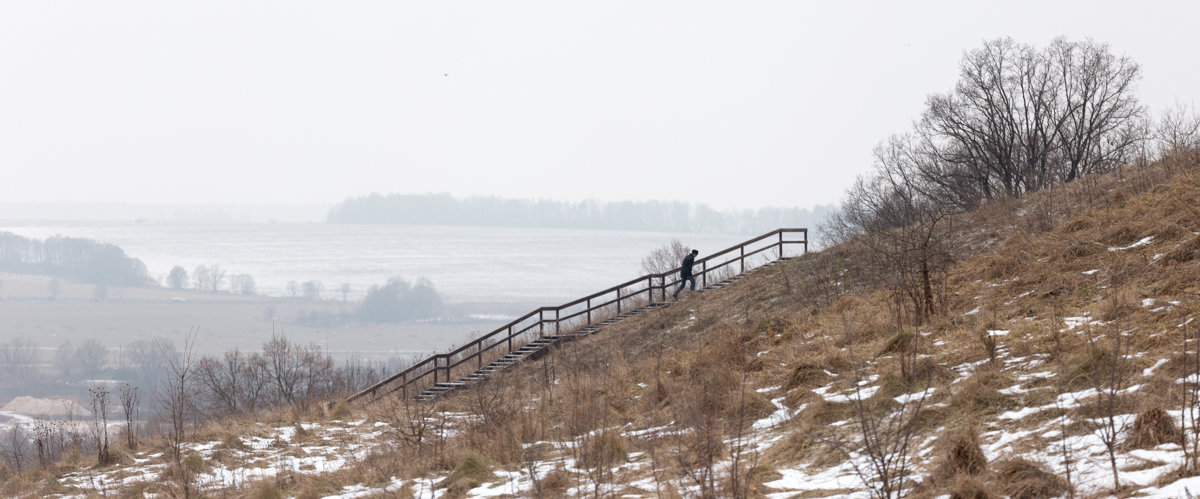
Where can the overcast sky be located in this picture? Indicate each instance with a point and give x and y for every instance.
(735, 104)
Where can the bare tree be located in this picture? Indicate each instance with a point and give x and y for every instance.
(885, 427)
(99, 427)
(1021, 119)
(1097, 130)
(17, 356)
(242, 284)
(201, 277)
(225, 378)
(664, 258)
(312, 289)
(14, 446)
(175, 401)
(177, 278)
(1108, 379)
(216, 275)
(1178, 132)
(90, 358)
(64, 360)
(900, 219)
(129, 404)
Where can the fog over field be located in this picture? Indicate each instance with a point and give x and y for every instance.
(275, 204)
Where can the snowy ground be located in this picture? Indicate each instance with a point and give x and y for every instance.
(1034, 432)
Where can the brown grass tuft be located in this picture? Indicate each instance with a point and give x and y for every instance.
(1022, 479)
(961, 455)
(1184, 253)
(968, 487)
(472, 471)
(981, 393)
(1152, 428)
(1120, 236)
(606, 450)
(806, 375)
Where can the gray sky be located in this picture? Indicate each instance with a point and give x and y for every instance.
(736, 104)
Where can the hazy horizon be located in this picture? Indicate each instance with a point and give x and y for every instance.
(766, 104)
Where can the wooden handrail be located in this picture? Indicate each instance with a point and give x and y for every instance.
(478, 346)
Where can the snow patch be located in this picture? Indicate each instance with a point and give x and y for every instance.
(1144, 241)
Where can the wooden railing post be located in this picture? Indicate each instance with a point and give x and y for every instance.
(446, 362)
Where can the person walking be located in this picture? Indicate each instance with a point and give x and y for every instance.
(685, 273)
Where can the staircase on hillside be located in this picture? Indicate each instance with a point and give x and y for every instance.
(532, 340)
(536, 348)
(530, 351)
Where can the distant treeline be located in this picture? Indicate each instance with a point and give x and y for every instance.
(71, 258)
(667, 216)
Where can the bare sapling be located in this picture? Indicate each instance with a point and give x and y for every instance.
(1108, 380)
(99, 427)
(1065, 449)
(1189, 415)
(175, 401)
(743, 461)
(885, 427)
(14, 446)
(129, 403)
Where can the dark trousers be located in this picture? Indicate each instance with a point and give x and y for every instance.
(683, 282)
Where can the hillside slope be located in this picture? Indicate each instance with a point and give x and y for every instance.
(1065, 330)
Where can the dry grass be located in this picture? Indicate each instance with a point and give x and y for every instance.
(1023, 266)
(1152, 428)
(1021, 479)
(961, 455)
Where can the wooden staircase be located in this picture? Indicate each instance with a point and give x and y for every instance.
(530, 351)
(535, 333)
(541, 346)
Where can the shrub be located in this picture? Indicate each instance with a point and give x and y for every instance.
(1153, 427)
(1021, 479)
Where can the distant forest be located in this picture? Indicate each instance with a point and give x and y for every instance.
(667, 216)
(72, 258)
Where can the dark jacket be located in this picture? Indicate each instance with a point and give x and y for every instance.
(686, 271)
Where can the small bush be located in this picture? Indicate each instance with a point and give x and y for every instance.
(1184, 253)
(806, 375)
(556, 483)
(981, 393)
(903, 341)
(1021, 479)
(232, 441)
(341, 410)
(968, 487)
(962, 455)
(1153, 427)
(473, 470)
(265, 489)
(604, 451)
(195, 463)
